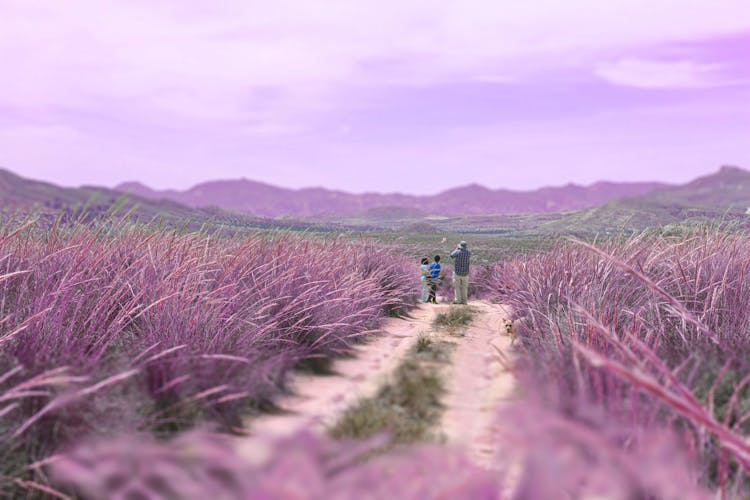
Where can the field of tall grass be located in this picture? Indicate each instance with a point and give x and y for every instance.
(632, 361)
(109, 330)
(639, 348)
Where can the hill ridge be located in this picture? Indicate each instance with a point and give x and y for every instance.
(268, 200)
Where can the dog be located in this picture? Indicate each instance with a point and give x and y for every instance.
(511, 329)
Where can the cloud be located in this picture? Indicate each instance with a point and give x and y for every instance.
(194, 83)
(664, 74)
(62, 52)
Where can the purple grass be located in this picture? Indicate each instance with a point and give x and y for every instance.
(634, 360)
(652, 331)
(201, 465)
(136, 329)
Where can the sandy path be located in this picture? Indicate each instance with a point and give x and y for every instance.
(478, 384)
(317, 401)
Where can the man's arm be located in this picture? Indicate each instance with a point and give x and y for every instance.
(454, 253)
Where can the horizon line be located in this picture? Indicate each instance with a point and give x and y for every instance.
(473, 184)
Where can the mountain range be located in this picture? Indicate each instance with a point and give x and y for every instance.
(270, 201)
(19, 195)
(723, 195)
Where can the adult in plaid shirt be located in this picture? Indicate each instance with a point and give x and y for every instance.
(461, 256)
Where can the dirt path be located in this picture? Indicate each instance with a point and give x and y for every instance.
(317, 401)
(478, 384)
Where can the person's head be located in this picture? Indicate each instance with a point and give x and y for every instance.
(462, 245)
(425, 260)
(437, 258)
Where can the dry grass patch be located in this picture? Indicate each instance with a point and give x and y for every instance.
(428, 348)
(455, 318)
(408, 405)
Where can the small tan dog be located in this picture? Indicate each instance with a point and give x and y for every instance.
(511, 329)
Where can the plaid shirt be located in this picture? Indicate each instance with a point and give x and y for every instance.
(461, 258)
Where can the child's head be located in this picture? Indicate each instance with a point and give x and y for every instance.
(437, 258)
(425, 260)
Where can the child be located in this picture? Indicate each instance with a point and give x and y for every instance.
(425, 272)
(434, 280)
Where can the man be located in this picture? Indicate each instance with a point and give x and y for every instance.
(461, 256)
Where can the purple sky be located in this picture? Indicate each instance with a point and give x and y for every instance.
(411, 96)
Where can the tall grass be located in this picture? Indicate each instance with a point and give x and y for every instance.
(650, 334)
(197, 466)
(634, 360)
(179, 328)
(634, 364)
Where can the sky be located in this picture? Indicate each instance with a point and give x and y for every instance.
(408, 95)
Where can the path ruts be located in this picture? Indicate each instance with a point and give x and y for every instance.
(477, 381)
(317, 401)
(478, 384)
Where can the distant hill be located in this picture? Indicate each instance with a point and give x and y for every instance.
(727, 189)
(265, 200)
(724, 195)
(21, 195)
